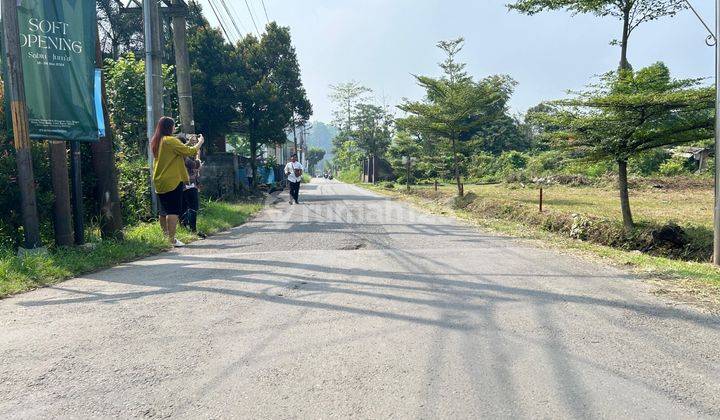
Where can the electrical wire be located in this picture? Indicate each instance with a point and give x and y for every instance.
(232, 20)
(217, 16)
(241, 22)
(265, 10)
(252, 17)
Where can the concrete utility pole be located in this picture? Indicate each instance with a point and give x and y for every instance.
(182, 68)
(712, 41)
(153, 78)
(21, 126)
(716, 216)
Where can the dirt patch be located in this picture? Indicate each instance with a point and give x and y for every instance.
(678, 183)
(702, 296)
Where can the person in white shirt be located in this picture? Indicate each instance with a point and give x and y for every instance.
(294, 171)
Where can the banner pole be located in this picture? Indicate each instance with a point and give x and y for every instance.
(62, 210)
(77, 196)
(20, 124)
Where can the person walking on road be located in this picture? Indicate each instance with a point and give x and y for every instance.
(170, 174)
(294, 171)
(249, 174)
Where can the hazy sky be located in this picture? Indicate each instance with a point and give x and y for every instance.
(380, 43)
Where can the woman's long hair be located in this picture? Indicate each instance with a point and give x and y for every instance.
(165, 127)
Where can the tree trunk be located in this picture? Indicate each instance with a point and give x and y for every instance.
(624, 196)
(253, 162)
(458, 180)
(624, 64)
(115, 49)
(103, 159)
(295, 138)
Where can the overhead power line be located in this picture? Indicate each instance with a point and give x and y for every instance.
(265, 10)
(241, 22)
(232, 19)
(252, 17)
(220, 21)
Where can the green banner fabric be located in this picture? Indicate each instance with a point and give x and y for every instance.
(57, 41)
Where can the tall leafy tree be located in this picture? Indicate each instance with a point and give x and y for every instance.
(348, 154)
(346, 97)
(456, 108)
(215, 87)
(373, 127)
(314, 156)
(404, 146)
(119, 32)
(285, 73)
(262, 117)
(629, 113)
(503, 134)
(632, 13)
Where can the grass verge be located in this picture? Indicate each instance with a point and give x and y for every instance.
(19, 274)
(685, 280)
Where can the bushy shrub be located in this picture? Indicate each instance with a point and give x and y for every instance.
(648, 163)
(482, 165)
(674, 166)
(512, 161)
(134, 186)
(487, 167)
(589, 169)
(350, 175)
(548, 162)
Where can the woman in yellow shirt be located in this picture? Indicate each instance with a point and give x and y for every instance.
(170, 174)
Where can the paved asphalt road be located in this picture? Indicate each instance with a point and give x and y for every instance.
(352, 305)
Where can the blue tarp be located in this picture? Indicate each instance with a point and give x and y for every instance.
(265, 176)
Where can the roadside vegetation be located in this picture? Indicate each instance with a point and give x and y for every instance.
(624, 164)
(248, 89)
(19, 274)
(511, 210)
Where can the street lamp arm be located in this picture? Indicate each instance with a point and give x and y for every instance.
(711, 39)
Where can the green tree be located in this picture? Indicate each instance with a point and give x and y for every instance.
(501, 135)
(630, 113)
(348, 155)
(403, 146)
(119, 31)
(214, 83)
(632, 13)
(346, 97)
(282, 57)
(456, 108)
(126, 101)
(314, 156)
(373, 127)
(268, 85)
